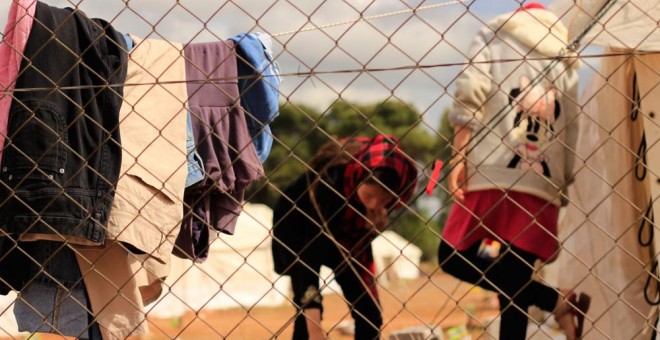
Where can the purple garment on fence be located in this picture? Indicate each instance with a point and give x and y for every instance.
(193, 240)
(222, 140)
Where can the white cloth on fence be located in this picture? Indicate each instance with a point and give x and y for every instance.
(630, 24)
(602, 255)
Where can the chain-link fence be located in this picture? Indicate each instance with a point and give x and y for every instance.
(329, 169)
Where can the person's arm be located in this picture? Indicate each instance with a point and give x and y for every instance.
(456, 180)
(571, 109)
(474, 87)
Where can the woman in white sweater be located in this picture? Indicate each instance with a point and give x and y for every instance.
(515, 133)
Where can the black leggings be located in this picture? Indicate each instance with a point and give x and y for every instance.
(509, 275)
(364, 309)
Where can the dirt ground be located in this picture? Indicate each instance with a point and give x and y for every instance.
(433, 299)
(422, 302)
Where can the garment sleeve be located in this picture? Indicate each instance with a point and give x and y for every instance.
(473, 87)
(289, 229)
(571, 109)
(295, 226)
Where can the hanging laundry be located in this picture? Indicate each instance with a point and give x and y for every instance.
(60, 185)
(259, 82)
(55, 301)
(148, 206)
(61, 158)
(114, 295)
(621, 107)
(224, 143)
(126, 210)
(17, 31)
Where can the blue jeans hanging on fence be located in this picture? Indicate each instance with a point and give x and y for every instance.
(55, 301)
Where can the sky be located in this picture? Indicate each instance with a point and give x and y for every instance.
(336, 55)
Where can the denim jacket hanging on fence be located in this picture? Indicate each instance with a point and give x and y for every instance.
(195, 164)
(55, 159)
(62, 182)
(258, 83)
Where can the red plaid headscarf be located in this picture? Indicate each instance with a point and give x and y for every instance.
(381, 151)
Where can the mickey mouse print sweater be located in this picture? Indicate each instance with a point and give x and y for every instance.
(522, 118)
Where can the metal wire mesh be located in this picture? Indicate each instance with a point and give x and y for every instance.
(103, 236)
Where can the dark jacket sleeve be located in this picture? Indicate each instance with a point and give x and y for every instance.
(291, 225)
(297, 226)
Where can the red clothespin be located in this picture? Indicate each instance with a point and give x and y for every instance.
(433, 181)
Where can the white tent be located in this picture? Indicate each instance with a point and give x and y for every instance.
(239, 271)
(602, 253)
(395, 259)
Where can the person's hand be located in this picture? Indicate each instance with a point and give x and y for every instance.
(377, 218)
(456, 181)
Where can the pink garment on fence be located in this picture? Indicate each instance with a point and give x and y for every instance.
(17, 31)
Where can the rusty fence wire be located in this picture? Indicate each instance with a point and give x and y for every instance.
(338, 169)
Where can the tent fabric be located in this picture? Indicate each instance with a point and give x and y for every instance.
(599, 229)
(395, 259)
(238, 272)
(628, 24)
